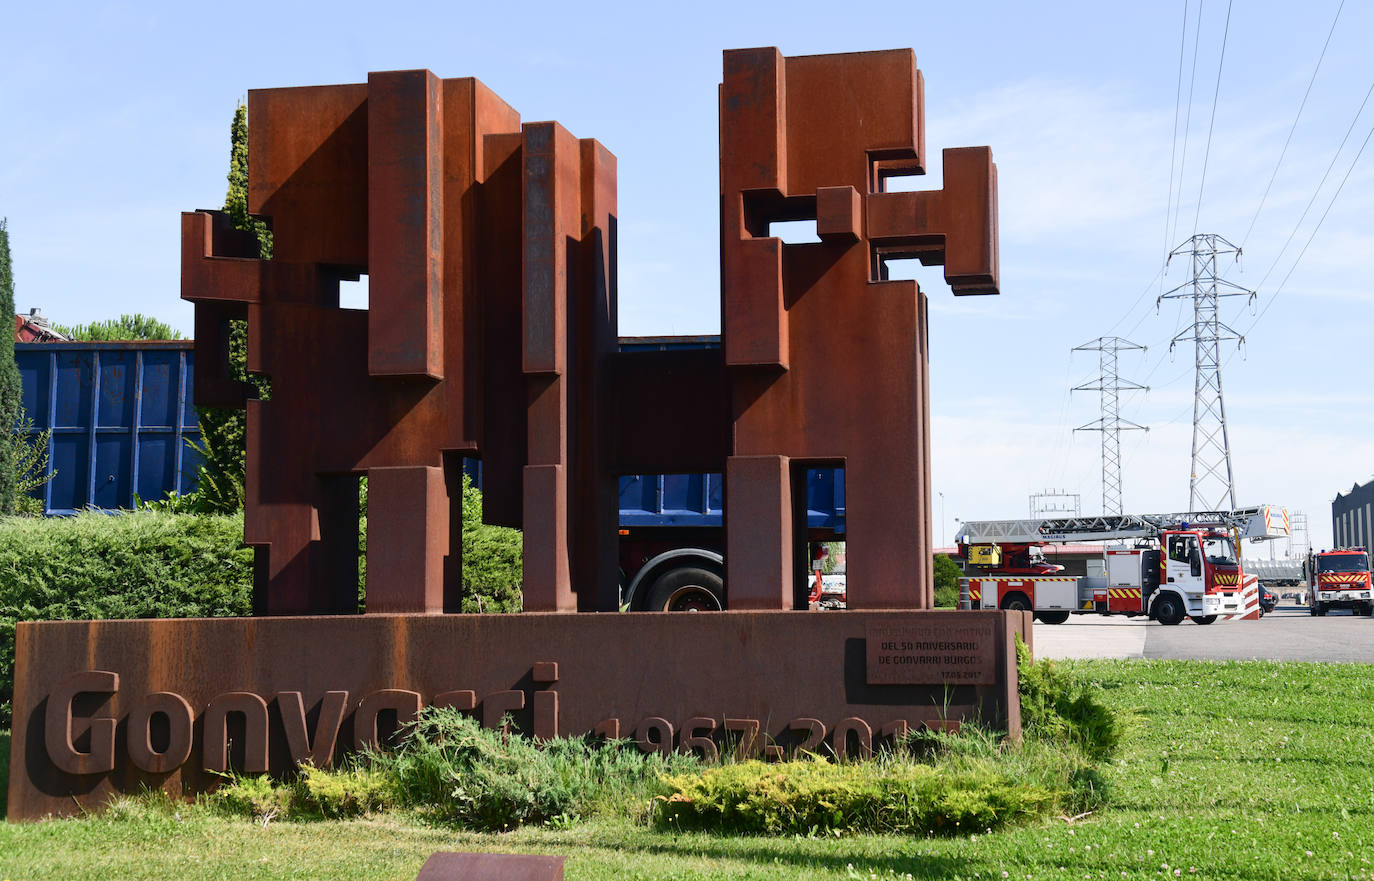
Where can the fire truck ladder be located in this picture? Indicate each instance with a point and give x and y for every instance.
(1257, 523)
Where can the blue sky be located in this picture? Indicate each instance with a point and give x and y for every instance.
(116, 119)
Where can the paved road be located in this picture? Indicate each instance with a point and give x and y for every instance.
(1287, 634)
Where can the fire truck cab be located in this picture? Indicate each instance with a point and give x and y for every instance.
(1339, 579)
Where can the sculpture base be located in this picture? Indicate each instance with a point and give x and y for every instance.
(106, 707)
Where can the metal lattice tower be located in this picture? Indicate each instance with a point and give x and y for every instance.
(1055, 503)
(1110, 384)
(1299, 541)
(1211, 485)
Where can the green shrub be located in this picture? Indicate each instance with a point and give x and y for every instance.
(145, 564)
(493, 559)
(257, 796)
(351, 791)
(451, 768)
(947, 575)
(886, 795)
(1058, 707)
(316, 793)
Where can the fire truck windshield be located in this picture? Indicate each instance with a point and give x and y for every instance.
(1219, 551)
(1342, 563)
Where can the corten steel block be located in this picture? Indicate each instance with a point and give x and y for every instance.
(491, 867)
(827, 359)
(839, 213)
(759, 556)
(308, 167)
(487, 246)
(106, 707)
(405, 214)
(410, 547)
(547, 586)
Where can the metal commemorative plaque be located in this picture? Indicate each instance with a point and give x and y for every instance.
(919, 653)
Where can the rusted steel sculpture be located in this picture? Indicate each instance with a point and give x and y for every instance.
(491, 332)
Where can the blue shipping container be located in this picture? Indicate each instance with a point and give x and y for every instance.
(120, 414)
(698, 499)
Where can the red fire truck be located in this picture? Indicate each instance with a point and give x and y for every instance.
(1339, 579)
(1175, 566)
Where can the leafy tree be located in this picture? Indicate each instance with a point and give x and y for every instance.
(947, 575)
(10, 386)
(126, 327)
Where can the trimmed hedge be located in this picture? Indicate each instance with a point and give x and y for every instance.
(155, 563)
(143, 564)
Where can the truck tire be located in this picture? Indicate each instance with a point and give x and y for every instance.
(1052, 617)
(1168, 609)
(688, 589)
(1203, 619)
(1016, 602)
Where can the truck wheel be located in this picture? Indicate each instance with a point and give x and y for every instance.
(1052, 617)
(686, 590)
(1168, 610)
(1203, 619)
(1016, 602)
(1321, 611)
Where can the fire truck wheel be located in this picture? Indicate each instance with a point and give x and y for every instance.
(1203, 619)
(1168, 610)
(1052, 617)
(688, 589)
(1016, 602)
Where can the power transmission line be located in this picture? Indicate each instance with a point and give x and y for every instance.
(1173, 141)
(1330, 165)
(1294, 127)
(1274, 296)
(1187, 121)
(1110, 385)
(1207, 154)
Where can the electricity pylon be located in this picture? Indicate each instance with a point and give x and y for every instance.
(1110, 384)
(1211, 484)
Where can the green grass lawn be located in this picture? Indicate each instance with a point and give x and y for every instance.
(1248, 770)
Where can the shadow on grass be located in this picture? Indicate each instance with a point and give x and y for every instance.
(805, 853)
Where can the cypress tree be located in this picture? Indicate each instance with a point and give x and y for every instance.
(10, 387)
(224, 431)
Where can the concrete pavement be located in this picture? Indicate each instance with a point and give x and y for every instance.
(1287, 634)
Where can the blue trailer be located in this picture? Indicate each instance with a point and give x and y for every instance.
(120, 416)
